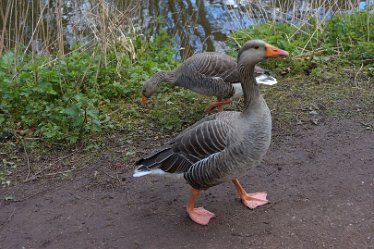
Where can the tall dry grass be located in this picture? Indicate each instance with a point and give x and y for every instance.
(299, 13)
(53, 25)
(42, 26)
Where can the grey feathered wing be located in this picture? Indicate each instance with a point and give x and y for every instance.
(218, 65)
(213, 64)
(203, 139)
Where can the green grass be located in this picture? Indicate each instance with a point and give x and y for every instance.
(50, 102)
(329, 71)
(90, 91)
(343, 40)
(333, 94)
(66, 98)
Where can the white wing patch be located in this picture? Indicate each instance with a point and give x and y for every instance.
(238, 90)
(266, 80)
(262, 79)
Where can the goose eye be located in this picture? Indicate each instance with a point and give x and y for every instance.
(256, 47)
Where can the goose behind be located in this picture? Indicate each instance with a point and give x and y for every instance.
(209, 74)
(224, 146)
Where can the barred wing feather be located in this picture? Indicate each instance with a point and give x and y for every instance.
(198, 142)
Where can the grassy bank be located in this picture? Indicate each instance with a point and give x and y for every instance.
(67, 97)
(54, 98)
(87, 92)
(330, 70)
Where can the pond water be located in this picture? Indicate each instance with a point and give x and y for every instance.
(199, 25)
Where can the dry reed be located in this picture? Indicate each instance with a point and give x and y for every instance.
(41, 26)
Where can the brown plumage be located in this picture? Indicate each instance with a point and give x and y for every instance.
(210, 74)
(223, 146)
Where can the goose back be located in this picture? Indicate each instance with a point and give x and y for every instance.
(223, 146)
(247, 141)
(209, 74)
(213, 150)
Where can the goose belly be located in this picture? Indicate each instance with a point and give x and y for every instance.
(246, 149)
(248, 152)
(220, 167)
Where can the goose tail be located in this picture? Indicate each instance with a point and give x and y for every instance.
(139, 172)
(151, 164)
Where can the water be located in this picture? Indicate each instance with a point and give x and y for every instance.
(199, 25)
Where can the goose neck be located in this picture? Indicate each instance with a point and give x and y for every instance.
(166, 76)
(249, 85)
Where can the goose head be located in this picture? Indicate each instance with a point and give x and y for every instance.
(255, 51)
(149, 88)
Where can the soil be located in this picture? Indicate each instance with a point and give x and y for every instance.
(320, 182)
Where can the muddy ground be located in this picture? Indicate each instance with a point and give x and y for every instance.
(320, 182)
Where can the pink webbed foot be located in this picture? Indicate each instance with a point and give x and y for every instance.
(253, 200)
(200, 215)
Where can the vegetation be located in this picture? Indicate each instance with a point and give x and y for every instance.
(65, 97)
(70, 94)
(328, 59)
(344, 39)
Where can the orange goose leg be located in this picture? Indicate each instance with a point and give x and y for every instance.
(218, 104)
(199, 215)
(251, 200)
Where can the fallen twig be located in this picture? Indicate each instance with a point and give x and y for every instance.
(28, 197)
(59, 172)
(36, 175)
(113, 177)
(27, 160)
(11, 214)
(241, 235)
(355, 79)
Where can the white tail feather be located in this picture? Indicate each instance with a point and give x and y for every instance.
(266, 80)
(139, 173)
(262, 79)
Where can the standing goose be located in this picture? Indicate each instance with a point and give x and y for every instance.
(223, 146)
(209, 73)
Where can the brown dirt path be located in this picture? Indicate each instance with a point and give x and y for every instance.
(320, 182)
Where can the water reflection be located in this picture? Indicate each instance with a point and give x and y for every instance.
(196, 25)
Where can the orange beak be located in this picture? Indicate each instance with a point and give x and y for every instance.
(272, 51)
(143, 100)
